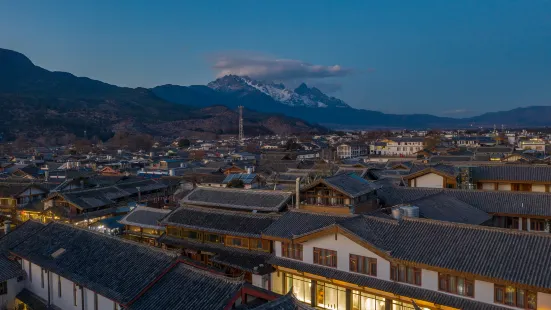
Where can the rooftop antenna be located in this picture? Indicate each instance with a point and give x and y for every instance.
(241, 134)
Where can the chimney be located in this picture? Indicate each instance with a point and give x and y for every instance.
(297, 189)
(7, 227)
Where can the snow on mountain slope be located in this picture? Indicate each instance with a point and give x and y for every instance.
(300, 97)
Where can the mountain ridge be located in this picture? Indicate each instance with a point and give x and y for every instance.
(315, 106)
(38, 102)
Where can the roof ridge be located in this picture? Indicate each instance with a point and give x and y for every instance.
(224, 211)
(477, 227)
(169, 253)
(210, 274)
(232, 189)
(321, 214)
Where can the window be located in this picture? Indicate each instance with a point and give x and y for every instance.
(291, 250)
(75, 294)
(4, 288)
(330, 296)
(260, 245)
(362, 264)
(42, 277)
(237, 242)
(95, 301)
(213, 238)
(365, 301)
(190, 234)
(30, 272)
(516, 297)
(406, 274)
(456, 285)
(173, 231)
(537, 225)
(59, 286)
(325, 257)
(302, 287)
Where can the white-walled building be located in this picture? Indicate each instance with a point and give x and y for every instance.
(365, 262)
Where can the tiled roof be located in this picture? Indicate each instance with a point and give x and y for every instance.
(494, 149)
(285, 302)
(505, 202)
(188, 288)
(296, 223)
(510, 255)
(387, 286)
(247, 260)
(219, 221)
(443, 207)
(145, 217)
(443, 168)
(459, 247)
(347, 183)
(512, 173)
(361, 172)
(239, 199)
(438, 158)
(113, 267)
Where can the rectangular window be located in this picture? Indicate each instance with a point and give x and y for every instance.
(291, 250)
(173, 231)
(4, 288)
(213, 238)
(515, 297)
(362, 264)
(190, 234)
(237, 242)
(59, 286)
(30, 272)
(455, 285)
(42, 277)
(537, 225)
(325, 257)
(75, 294)
(406, 274)
(95, 301)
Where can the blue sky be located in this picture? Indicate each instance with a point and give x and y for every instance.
(453, 58)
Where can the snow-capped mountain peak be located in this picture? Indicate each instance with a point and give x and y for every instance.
(302, 96)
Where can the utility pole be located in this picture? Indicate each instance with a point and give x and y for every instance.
(241, 133)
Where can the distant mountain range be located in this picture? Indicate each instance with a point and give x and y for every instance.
(314, 106)
(36, 102)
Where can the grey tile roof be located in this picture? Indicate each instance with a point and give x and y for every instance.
(348, 183)
(239, 199)
(361, 172)
(188, 288)
(512, 173)
(387, 286)
(494, 149)
(297, 223)
(460, 247)
(442, 158)
(242, 259)
(219, 221)
(443, 168)
(113, 267)
(474, 249)
(525, 203)
(145, 217)
(285, 302)
(443, 207)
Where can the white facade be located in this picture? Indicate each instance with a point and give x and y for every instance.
(483, 291)
(430, 180)
(62, 292)
(352, 150)
(403, 147)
